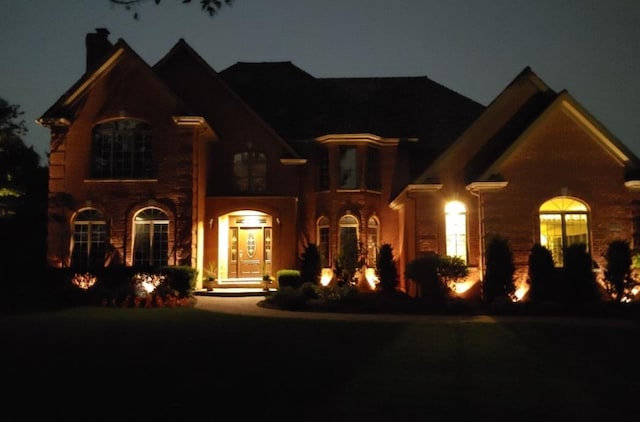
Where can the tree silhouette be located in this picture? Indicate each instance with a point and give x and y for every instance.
(23, 195)
(211, 7)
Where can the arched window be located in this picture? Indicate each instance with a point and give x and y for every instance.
(121, 149)
(563, 222)
(373, 240)
(250, 171)
(89, 239)
(323, 240)
(456, 229)
(150, 238)
(348, 237)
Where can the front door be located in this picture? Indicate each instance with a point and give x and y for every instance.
(250, 252)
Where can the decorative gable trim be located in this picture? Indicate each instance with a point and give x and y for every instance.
(94, 76)
(415, 188)
(344, 138)
(579, 115)
(476, 187)
(293, 161)
(633, 185)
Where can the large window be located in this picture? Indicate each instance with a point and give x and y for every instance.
(250, 171)
(348, 168)
(121, 150)
(323, 241)
(151, 238)
(456, 229)
(89, 239)
(563, 222)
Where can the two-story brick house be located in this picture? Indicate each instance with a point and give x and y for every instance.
(179, 164)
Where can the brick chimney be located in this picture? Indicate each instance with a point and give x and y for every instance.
(98, 45)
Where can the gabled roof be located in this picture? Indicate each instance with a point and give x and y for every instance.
(525, 103)
(63, 110)
(501, 123)
(207, 94)
(565, 102)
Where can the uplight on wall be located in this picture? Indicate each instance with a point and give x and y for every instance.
(326, 275)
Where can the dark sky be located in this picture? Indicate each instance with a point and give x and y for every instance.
(589, 47)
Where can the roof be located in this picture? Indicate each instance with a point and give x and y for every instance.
(491, 134)
(300, 106)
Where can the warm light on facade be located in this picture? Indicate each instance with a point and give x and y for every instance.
(463, 286)
(456, 229)
(372, 278)
(326, 276)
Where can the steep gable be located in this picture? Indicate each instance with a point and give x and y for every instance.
(565, 105)
(513, 110)
(208, 95)
(120, 58)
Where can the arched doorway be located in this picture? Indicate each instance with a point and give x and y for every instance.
(245, 246)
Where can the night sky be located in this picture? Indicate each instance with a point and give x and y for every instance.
(589, 47)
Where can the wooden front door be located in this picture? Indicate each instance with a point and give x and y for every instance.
(250, 252)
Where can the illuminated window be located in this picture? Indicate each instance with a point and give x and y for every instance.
(89, 239)
(348, 168)
(373, 169)
(121, 149)
(323, 240)
(151, 238)
(250, 171)
(456, 229)
(373, 242)
(563, 222)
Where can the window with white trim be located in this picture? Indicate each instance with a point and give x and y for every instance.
(89, 239)
(150, 238)
(564, 221)
(456, 229)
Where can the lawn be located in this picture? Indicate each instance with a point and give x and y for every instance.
(93, 363)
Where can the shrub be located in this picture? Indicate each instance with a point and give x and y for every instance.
(386, 269)
(578, 276)
(500, 269)
(335, 295)
(424, 271)
(288, 298)
(180, 278)
(541, 274)
(310, 264)
(289, 278)
(617, 272)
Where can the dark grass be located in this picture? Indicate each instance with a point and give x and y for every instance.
(93, 363)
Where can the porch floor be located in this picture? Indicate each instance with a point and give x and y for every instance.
(234, 291)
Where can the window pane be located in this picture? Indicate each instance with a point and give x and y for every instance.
(373, 169)
(456, 230)
(151, 241)
(323, 241)
(563, 222)
(122, 149)
(323, 171)
(89, 239)
(250, 171)
(348, 171)
(372, 241)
